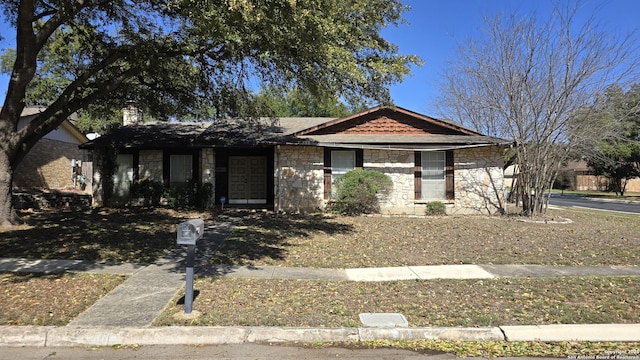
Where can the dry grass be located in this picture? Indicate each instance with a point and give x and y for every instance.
(299, 303)
(29, 299)
(350, 242)
(137, 235)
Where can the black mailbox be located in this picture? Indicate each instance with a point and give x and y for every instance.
(190, 231)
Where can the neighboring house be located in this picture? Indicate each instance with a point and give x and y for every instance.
(581, 178)
(290, 166)
(48, 164)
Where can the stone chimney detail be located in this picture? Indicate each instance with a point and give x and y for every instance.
(131, 115)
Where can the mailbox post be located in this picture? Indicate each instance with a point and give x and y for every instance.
(189, 232)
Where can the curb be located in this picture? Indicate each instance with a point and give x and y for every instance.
(570, 332)
(50, 336)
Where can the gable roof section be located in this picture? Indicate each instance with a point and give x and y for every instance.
(388, 121)
(394, 128)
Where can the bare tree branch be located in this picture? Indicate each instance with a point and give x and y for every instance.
(526, 80)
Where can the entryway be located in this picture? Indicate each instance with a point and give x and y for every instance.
(247, 179)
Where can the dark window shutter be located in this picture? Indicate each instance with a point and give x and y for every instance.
(195, 167)
(327, 174)
(417, 176)
(448, 172)
(359, 158)
(166, 172)
(136, 166)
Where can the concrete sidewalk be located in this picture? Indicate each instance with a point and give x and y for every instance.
(175, 269)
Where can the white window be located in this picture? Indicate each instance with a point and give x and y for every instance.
(181, 170)
(342, 162)
(433, 175)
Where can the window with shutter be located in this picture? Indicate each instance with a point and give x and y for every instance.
(433, 175)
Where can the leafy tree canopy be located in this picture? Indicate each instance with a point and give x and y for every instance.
(297, 103)
(199, 58)
(618, 158)
(186, 58)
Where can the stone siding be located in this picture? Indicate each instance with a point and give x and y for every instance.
(207, 165)
(208, 172)
(398, 165)
(299, 182)
(48, 165)
(479, 182)
(150, 165)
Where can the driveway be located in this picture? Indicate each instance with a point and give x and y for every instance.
(598, 204)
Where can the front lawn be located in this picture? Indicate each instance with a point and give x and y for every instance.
(32, 299)
(376, 241)
(143, 235)
(468, 303)
(136, 235)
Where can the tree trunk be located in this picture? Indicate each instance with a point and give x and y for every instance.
(8, 216)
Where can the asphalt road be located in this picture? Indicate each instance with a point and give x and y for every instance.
(237, 351)
(591, 203)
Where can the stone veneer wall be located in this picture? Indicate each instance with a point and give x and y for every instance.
(299, 182)
(399, 166)
(479, 180)
(478, 177)
(150, 165)
(208, 172)
(207, 165)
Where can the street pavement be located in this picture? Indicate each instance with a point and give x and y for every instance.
(623, 206)
(231, 351)
(124, 316)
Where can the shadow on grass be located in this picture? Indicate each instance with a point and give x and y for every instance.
(16, 278)
(137, 235)
(265, 236)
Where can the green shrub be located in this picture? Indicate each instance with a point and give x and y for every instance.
(204, 193)
(193, 195)
(182, 197)
(150, 191)
(435, 208)
(359, 192)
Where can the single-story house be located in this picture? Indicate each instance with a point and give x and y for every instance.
(290, 165)
(55, 162)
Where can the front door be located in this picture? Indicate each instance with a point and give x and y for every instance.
(247, 180)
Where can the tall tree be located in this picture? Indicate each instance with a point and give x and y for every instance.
(618, 158)
(186, 57)
(527, 79)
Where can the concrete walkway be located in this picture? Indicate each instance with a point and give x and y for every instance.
(125, 315)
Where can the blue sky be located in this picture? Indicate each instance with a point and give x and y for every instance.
(437, 26)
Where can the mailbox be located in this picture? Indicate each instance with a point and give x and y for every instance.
(190, 231)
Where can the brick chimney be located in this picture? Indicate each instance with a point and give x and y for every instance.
(131, 115)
